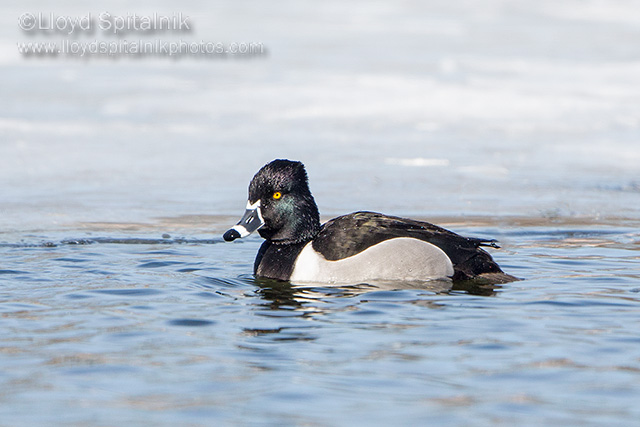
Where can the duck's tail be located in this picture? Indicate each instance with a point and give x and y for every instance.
(479, 265)
(493, 243)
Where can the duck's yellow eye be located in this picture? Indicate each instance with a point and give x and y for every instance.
(277, 195)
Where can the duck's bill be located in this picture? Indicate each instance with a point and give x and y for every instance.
(250, 222)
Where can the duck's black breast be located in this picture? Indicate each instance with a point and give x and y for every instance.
(351, 234)
(276, 261)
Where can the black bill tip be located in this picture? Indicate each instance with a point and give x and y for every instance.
(231, 235)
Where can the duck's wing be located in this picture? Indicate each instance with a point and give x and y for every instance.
(351, 234)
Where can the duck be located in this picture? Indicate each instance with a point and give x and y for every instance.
(360, 247)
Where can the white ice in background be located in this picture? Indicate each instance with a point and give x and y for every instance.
(443, 108)
(417, 162)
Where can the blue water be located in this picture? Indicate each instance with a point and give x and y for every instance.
(120, 305)
(175, 330)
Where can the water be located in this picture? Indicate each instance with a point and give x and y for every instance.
(174, 330)
(120, 304)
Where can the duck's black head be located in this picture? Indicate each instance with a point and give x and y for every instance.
(280, 205)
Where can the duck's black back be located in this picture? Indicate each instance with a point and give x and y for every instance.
(351, 234)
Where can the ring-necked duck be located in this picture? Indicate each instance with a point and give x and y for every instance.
(354, 248)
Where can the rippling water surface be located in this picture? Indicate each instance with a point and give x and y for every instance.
(121, 306)
(120, 328)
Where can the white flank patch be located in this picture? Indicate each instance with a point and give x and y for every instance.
(399, 259)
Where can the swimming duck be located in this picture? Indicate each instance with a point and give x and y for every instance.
(356, 248)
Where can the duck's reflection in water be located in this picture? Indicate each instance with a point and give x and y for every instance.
(286, 308)
(310, 297)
